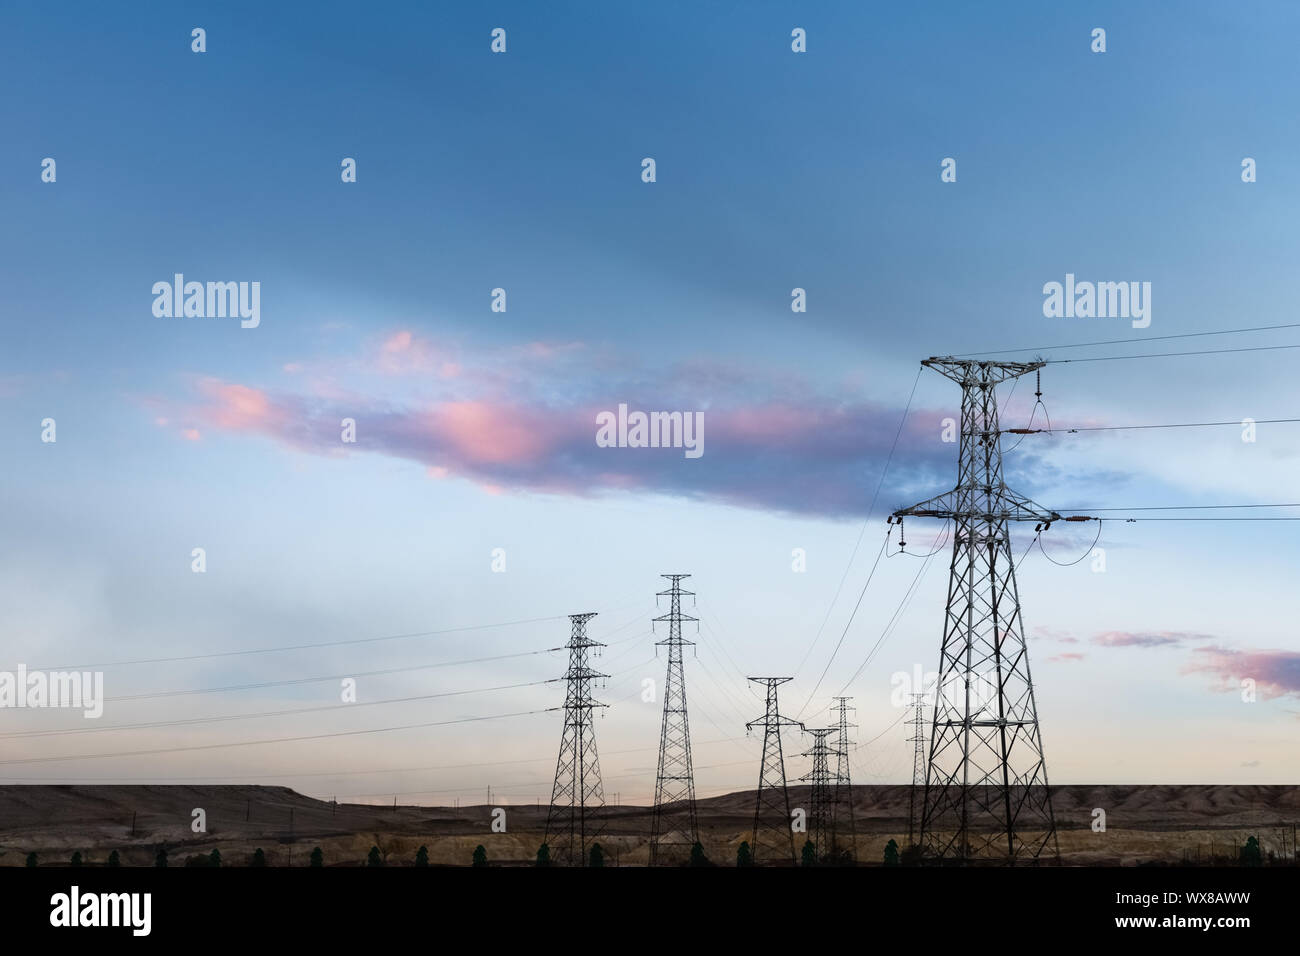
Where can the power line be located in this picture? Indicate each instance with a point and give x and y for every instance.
(1117, 428)
(296, 647)
(847, 624)
(852, 557)
(153, 778)
(275, 740)
(1145, 338)
(1188, 507)
(269, 713)
(329, 677)
(1144, 355)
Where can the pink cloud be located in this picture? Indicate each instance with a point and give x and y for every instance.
(1068, 657)
(1276, 673)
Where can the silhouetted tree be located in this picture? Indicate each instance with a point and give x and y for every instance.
(1250, 855)
(697, 855)
(374, 859)
(160, 858)
(31, 859)
(422, 856)
(743, 856)
(259, 858)
(114, 859)
(597, 856)
(317, 857)
(76, 859)
(544, 855)
(214, 858)
(809, 855)
(891, 854)
(480, 856)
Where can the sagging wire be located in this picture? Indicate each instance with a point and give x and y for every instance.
(1069, 563)
(902, 544)
(1038, 395)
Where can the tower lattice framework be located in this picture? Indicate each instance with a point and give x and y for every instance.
(821, 816)
(986, 793)
(917, 723)
(573, 821)
(845, 834)
(772, 840)
(675, 828)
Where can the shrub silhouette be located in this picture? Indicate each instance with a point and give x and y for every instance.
(422, 856)
(809, 855)
(743, 856)
(114, 859)
(259, 858)
(374, 859)
(1250, 855)
(544, 855)
(891, 854)
(480, 856)
(317, 857)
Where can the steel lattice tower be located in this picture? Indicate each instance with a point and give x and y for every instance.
(843, 785)
(675, 825)
(821, 819)
(573, 820)
(918, 764)
(768, 802)
(986, 794)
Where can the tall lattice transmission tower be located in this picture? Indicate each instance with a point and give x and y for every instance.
(675, 827)
(821, 817)
(772, 838)
(917, 723)
(573, 821)
(986, 793)
(843, 807)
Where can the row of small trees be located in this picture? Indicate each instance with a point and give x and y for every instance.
(1250, 856)
(258, 858)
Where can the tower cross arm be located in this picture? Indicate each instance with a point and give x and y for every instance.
(966, 503)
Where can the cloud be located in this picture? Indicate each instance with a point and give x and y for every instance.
(1147, 638)
(1275, 673)
(1068, 657)
(524, 419)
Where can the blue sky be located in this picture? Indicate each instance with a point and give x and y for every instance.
(775, 170)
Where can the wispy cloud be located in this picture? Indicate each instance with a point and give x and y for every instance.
(1147, 638)
(524, 419)
(1276, 673)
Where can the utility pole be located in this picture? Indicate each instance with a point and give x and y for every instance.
(843, 785)
(917, 723)
(577, 794)
(821, 818)
(675, 829)
(772, 801)
(986, 792)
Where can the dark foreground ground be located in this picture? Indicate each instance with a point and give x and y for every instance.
(1145, 824)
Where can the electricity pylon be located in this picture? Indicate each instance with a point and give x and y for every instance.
(843, 810)
(821, 818)
(917, 723)
(573, 819)
(675, 825)
(773, 798)
(986, 795)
